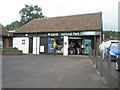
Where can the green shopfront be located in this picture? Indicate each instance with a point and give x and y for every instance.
(74, 34)
(83, 41)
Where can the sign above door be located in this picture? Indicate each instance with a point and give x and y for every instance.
(75, 33)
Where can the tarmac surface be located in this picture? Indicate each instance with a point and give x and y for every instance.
(49, 71)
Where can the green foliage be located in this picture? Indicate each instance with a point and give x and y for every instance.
(11, 48)
(30, 12)
(111, 33)
(27, 14)
(13, 26)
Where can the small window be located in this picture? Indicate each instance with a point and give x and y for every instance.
(23, 41)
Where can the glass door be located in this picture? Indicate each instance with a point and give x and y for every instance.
(86, 45)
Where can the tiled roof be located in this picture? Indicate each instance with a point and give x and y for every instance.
(3, 30)
(92, 21)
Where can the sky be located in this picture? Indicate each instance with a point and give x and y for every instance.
(54, 8)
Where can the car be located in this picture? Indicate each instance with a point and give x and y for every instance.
(114, 50)
(117, 67)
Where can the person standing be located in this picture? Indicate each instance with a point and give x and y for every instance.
(78, 48)
(102, 49)
(72, 49)
(55, 47)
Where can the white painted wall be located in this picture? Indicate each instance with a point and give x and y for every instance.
(36, 45)
(17, 42)
(1, 43)
(65, 51)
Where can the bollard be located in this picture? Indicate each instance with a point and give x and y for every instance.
(119, 81)
(109, 69)
(97, 60)
(90, 54)
(94, 56)
(101, 66)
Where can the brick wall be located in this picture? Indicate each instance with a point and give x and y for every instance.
(11, 52)
(7, 43)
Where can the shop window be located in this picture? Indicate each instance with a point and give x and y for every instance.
(59, 43)
(23, 41)
(59, 46)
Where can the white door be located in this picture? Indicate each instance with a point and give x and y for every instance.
(65, 51)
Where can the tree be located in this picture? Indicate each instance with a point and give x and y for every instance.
(30, 12)
(13, 26)
(111, 33)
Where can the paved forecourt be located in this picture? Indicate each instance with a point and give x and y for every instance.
(49, 71)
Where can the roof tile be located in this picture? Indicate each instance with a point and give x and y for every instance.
(92, 21)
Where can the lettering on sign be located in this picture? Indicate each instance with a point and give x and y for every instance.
(74, 33)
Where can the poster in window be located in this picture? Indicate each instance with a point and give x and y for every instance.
(41, 48)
